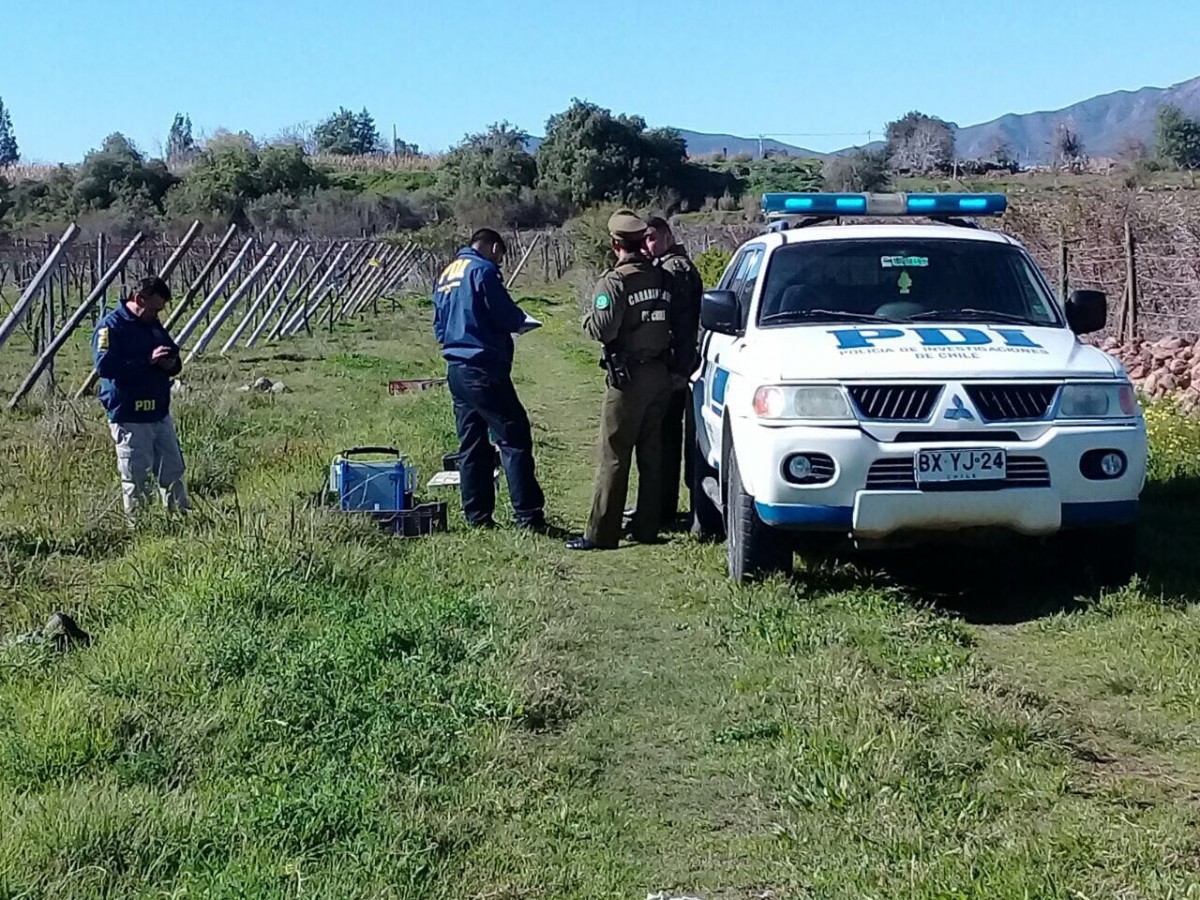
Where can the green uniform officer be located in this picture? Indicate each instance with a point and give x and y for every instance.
(630, 315)
(679, 422)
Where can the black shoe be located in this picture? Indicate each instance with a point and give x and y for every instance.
(583, 544)
(649, 539)
(486, 524)
(543, 528)
(679, 523)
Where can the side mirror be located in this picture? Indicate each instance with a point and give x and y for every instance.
(1087, 311)
(721, 312)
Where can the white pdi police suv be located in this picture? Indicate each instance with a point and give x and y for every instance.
(908, 380)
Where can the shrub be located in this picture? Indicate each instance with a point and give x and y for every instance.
(712, 263)
(591, 243)
(1174, 440)
(862, 170)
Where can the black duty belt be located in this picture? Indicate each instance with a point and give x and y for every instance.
(648, 358)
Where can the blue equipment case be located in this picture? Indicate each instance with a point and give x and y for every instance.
(384, 489)
(372, 485)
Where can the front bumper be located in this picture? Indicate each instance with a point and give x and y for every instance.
(850, 503)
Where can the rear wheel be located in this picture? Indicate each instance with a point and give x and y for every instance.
(755, 550)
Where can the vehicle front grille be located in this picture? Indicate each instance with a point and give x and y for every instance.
(1012, 402)
(893, 474)
(895, 402)
(896, 474)
(992, 436)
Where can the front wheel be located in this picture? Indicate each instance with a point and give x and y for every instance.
(707, 522)
(755, 550)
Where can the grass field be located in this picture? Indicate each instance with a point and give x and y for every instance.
(280, 703)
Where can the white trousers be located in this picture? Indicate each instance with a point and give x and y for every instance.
(148, 453)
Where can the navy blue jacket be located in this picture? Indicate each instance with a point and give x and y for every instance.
(474, 318)
(133, 389)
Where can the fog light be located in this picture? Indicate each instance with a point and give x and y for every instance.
(1112, 464)
(808, 468)
(800, 468)
(1103, 465)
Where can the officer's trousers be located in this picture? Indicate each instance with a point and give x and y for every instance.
(631, 420)
(148, 454)
(486, 401)
(679, 436)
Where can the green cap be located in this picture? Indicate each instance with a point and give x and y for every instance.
(625, 223)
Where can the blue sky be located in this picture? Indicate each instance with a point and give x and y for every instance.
(827, 71)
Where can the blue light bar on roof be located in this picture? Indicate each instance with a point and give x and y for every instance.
(817, 204)
(957, 204)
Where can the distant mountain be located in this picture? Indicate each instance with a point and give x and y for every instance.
(1103, 123)
(701, 144)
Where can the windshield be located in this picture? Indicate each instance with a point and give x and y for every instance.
(902, 280)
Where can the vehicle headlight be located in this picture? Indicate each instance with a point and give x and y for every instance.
(1097, 401)
(807, 402)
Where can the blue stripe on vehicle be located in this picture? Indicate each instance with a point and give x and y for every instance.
(720, 381)
(1088, 515)
(784, 515)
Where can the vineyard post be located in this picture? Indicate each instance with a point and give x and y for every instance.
(1131, 282)
(280, 295)
(241, 290)
(524, 259)
(398, 268)
(46, 358)
(299, 319)
(388, 261)
(263, 293)
(176, 258)
(100, 265)
(21, 307)
(380, 257)
(215, 294)
(1064, 277)
(344, 277)
(48, 324)
(201, 280)
(285, 317)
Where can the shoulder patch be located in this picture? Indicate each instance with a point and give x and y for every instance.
(602, 301)
(102, 338)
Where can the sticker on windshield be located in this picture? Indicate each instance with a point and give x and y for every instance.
(904, 262)
(905, 283)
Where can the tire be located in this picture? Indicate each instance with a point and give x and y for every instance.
(1108, 554)
(708, 524)
(755, 550)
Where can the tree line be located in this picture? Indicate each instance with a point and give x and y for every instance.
(588, 158)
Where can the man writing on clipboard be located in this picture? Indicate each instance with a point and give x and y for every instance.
(475, 320)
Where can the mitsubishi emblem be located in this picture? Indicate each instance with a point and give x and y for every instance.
(958, 410)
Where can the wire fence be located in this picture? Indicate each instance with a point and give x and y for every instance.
(236, 289)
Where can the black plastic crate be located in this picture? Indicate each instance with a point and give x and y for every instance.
(423, 519)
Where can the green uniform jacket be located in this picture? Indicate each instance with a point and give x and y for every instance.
(631, 309)
(688, 288)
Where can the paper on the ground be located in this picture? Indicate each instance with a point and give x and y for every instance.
(451, 479)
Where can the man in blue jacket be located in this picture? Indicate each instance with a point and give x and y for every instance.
(136, 359)
(474, 320)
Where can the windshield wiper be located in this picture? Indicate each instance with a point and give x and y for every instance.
(832, 314)
(973, 315)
